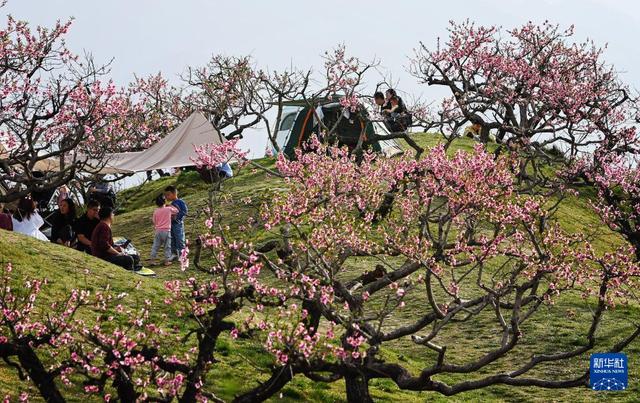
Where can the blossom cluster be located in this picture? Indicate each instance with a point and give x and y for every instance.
(213, 155)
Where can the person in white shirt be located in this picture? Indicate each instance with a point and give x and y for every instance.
(26, 219)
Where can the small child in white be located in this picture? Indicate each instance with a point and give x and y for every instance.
(162, 224)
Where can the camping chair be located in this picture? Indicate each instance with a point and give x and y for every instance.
(47, 204)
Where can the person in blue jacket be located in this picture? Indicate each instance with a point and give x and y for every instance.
(177, 221)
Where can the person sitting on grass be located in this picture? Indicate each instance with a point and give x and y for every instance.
(85, 225)
(477, 132)
(63, 194)
(102, 243)
(5, 219)
(62, 223)
(387, 108)
(378, 99)
(473, 131)
(26, 219)
(162, 224)
(394, 102)
(396, 116)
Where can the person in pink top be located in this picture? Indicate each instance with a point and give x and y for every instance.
(162, 224)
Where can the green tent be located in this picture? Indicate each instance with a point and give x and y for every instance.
(298, 123)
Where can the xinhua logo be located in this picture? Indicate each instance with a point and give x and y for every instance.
(609, 372)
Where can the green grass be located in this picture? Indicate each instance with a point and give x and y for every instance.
(242, 362)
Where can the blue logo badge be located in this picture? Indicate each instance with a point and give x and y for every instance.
(609, 371)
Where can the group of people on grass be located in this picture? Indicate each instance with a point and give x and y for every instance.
(91, 232)
(397, 118)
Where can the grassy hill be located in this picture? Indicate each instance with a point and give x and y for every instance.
(557, 326)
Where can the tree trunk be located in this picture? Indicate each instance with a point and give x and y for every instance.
(43, 380)
(279, 378)
(357, 388)
(484, 134)
(206, 347)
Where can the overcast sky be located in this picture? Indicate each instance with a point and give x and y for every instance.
(147, 36)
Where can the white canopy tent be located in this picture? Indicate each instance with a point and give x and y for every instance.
(175, 150)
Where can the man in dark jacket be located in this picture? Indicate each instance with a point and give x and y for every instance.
(85, 225)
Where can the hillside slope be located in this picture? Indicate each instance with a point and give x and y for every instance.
(66, 269)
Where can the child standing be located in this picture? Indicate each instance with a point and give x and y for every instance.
(162, 224)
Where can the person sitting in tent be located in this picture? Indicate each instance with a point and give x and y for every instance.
(62, 223)
(85, 225)
(102, 243)
(26, 219)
